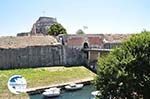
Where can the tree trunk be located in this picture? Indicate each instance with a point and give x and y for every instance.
(146, 94)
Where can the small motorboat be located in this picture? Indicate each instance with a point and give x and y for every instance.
(73, 86)
(51, 92)
(95, 93)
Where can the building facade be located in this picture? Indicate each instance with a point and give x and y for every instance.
(40, 27)
(99, 41)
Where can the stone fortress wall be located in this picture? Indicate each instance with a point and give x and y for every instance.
(36, 51)
(40, 56)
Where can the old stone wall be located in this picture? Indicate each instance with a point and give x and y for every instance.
(74, 56)
(92, 40)
(78, 41)
(39, 56)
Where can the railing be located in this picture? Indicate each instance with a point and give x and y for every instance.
(97, 49)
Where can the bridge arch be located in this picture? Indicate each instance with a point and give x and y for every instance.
(85, 45)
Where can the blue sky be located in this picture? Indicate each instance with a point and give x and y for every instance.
(101, 16)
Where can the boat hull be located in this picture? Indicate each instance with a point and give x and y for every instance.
(76, 87)
(52, 92)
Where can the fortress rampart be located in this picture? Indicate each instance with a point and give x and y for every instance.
(40, 51)
(36, 56)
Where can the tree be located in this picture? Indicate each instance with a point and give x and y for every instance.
(80, 32)
(125, 72)
(56, 29)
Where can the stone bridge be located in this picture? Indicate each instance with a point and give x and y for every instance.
(92, 55)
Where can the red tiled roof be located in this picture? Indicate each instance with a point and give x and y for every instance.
(95, 40)
(116, 37)
(75, 41)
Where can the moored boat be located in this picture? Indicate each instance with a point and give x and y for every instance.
(95, 93)
(73, 86)
(51, 92)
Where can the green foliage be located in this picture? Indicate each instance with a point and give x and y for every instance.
(126, 70)
(80, 32)
(56, 29)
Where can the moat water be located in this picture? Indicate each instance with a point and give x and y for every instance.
(84, 93)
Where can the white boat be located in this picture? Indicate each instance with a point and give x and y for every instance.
(51, 92)
(95, 93)
(73, 86)
(53, 89)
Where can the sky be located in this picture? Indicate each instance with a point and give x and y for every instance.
(100, 16)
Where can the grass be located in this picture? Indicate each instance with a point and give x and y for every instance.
(42, 77)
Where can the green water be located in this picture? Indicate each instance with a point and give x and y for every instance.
(84, 93)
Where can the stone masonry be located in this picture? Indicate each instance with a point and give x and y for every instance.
(37, 51)
(41, 25)
(103, 41)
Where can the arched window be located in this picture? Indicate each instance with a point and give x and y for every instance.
(85, 45)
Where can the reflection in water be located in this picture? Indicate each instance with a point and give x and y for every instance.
(84, 93)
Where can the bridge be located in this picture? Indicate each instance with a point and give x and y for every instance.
(93, 45)
(92, 55)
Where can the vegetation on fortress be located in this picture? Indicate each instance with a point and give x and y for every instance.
(125, 72)
(56, 29)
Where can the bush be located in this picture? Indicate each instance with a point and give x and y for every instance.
(56, 29)
(125, 72)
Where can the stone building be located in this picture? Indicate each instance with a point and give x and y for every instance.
(23, 34)
(101, 41)
(82, 40)
(40, 27)
(113, 40)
